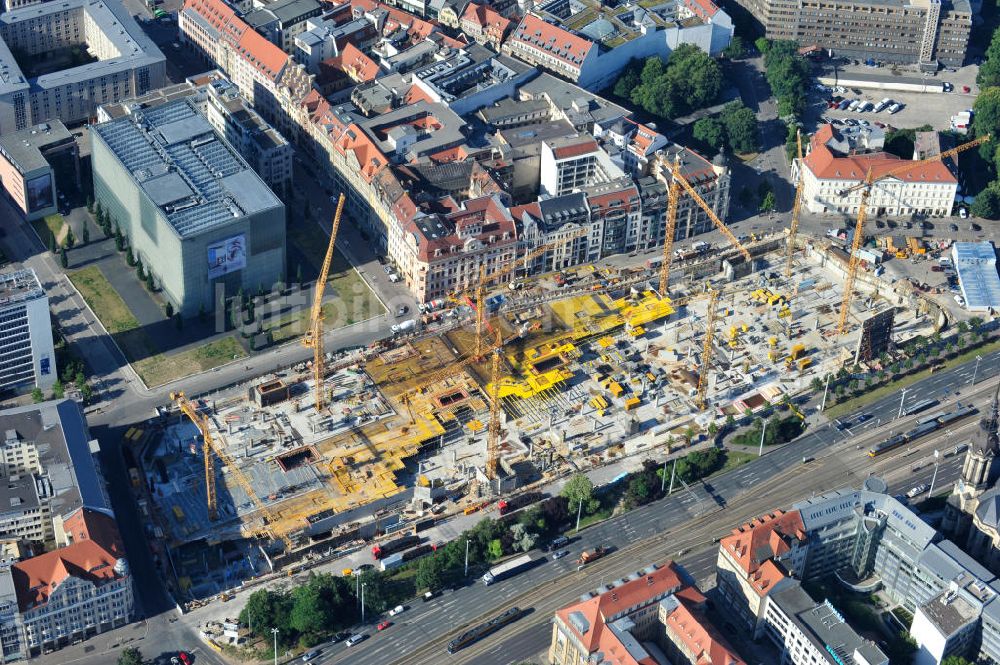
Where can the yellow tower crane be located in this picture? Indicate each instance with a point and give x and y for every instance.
(479, 293)
(314, 336)
(706, 349)
(493, 431)
(796, 209)
(201, 422)
(211, 446)
(676, 178)
(859, 228)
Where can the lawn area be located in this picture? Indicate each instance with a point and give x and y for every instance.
(105, 302)
(50, 223)
(851, 405)
(154, 367)
(158, 369)
(734, 460)
(307, 248)
(294, 324)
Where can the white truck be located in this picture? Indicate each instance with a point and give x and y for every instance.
(404, 327)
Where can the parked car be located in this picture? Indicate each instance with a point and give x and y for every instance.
(309, 655)
(916, 491)
(398, 609)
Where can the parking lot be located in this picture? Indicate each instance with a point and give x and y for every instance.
(918, 109)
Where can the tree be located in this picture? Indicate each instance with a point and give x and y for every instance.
(98, 209)
(70, 238)
(57, 389)
(711, 132)
(86, 392)
(986, 120)
(37, 395)
(119, 238)
(955, 660)
(139, 270)
(741, 127)
(90, 204)
(987, 203)
(130, 257)
(52, 242)
(150, 285)
(495, 549)
(524, 540)
(689, 79)
(79, 380)
(736, 48)
(63, 259)
(762, 45)
(86, 232)
(816, 384)
(628, 81)
(130, 656)
(579, 489)
(428, 574)
(169, 309)
(267, 609)
(989, 69)
(767, 204)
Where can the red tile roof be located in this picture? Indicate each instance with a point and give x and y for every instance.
(703, 9)
(825, 165)
(484, 16)
(265, 57)
(370, 158)
(765, 537)
(91, 557)
(358, 66)
(585, 146)
(701, 637)
(553, 40)
(626, 597)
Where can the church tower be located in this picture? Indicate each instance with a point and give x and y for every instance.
(979, 473)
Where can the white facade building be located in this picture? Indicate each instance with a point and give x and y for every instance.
(27, 355)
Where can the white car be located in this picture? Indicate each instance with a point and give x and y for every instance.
(960, 300)
(397, 610)
(916, 491)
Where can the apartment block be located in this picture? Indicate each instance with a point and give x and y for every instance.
(282, 21)
(26, 172)
(27, 355)
(127, 61)
(651, 617)
(925, 32)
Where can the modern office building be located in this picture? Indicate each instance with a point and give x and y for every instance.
(26, 172)
(118, 61)
(193, 210)
(267, 152)
(976, 265)
(27, 356)
(868, 541)
(280, 22)
(926, 32)
(651, 617)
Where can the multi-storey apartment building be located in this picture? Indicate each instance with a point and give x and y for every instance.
(128, 62)
(831, 181)
(282, 21)
(26, 173)
(651, 616)
(27, 356)
(927, 32)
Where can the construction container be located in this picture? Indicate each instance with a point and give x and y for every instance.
(797, 351)
(804, 362)
(631, 403)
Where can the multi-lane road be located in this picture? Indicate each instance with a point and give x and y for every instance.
(684, 527)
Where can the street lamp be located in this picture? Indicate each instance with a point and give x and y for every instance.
(275, 631)
(363, 602)
(979, 359)
(902, 398)
(466, 557)
(934, 476)
(763, 429)
(822, 405)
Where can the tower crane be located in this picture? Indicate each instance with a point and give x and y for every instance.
(314, 336)
(484, 281)
(866, 188)
(796, 209)
(201, 422)
(211, 446)
(493, 431)
(706, 349)
(672, 201)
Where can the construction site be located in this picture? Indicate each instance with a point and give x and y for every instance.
(320, 458)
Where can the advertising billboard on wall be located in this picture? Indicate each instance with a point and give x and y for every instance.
(39, 193)
(227, 256)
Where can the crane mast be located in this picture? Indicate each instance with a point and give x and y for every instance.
(673, 196)
(866, 188)
(314, 336)
(493, 433)
(796, 209)
(189, 410)
(706, 349)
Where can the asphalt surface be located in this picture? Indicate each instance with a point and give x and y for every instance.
(683, 527)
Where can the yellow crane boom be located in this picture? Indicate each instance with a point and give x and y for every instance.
(796, 210)
(189, 409)
(493, 432)
(673, 198)
(706, 349)
(314, 336)
(866, 188)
